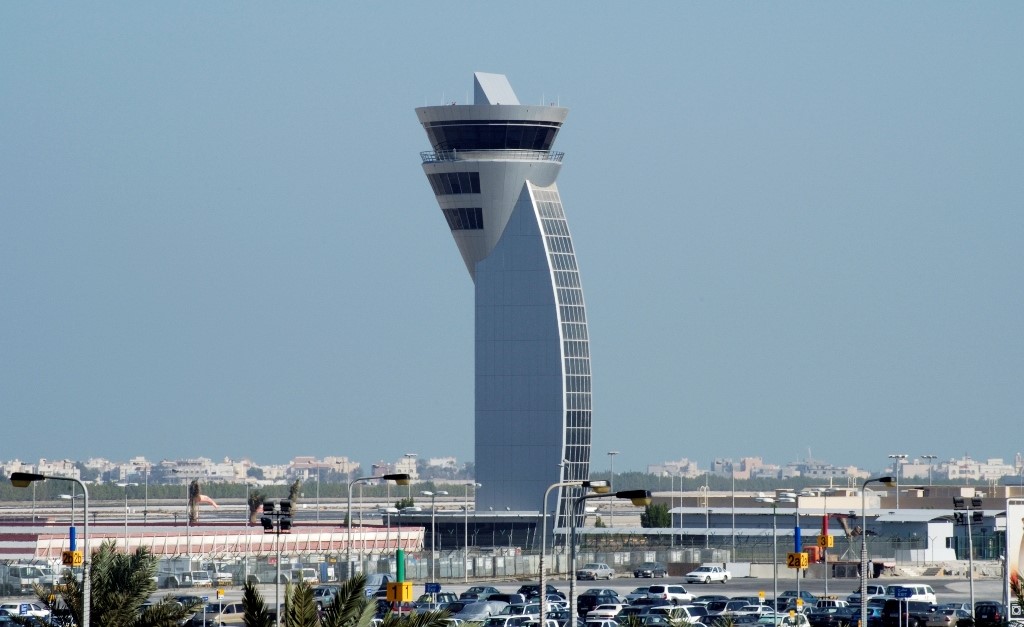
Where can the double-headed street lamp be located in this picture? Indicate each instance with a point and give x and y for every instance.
(897, 459)
(433, 531)
(964, 514)
(24, 480)
(398, 478)
(637, 497)
(277, 519)
(126, 485)
(929, 459)
(887, 481)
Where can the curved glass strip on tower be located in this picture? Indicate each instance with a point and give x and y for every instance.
(493, 173)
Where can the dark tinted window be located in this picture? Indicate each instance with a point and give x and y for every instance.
(492, 135)
(455, 183)
(464, 219)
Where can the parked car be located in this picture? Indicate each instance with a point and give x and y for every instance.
(873, 590)
(499, 620)
(644, 603)
(479, 611)
(323, 595)
(756, 609)
(786, 620)
(637, 593)
(587, 602)
(605, 610)
(478, 593)
(602, 591)
(949, 617)
(707, 574)
(218, 614)
(674, 594)
(874, 615)
(650, 569)
(17, 608)
(532, 590)
(375, 583)
(789, 597)
(990, 614)
(725, 608)
(901, 613)
(830, 616)
(595, 571)
(704, 599)
(918, 592)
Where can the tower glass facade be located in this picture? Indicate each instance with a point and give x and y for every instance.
(493, 173)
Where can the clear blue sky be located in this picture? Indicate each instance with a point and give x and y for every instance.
(799, 226)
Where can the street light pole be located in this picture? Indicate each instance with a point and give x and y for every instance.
(433, 532)
(318, 493)
(125, 486)
(897, 459)
(399, 478)
(774, 502)
(465, 555)
(611, 486)
(24, 480)
(637, 497)
(864, 544)
(277, 519)
(967, 513)
(930, 459)
(542, 588)
(412, 458)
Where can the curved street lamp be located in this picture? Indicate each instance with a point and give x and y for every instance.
(433, 532)
(782, 497)
(637, 497)
(887, 481)
(399, 478)
(599, 487)
(24, 480)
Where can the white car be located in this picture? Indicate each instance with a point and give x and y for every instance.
(707, 574)
(25, 609)
(605, 610)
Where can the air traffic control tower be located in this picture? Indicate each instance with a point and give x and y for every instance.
(493, 173)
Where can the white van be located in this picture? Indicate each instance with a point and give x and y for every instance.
(918, 592)
(308, 575)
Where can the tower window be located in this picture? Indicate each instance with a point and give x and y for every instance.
(464, 218)
(455, 183)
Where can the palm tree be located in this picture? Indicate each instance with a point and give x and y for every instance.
(255, 505)
(121, 585)
(350, 608)
(194, 491)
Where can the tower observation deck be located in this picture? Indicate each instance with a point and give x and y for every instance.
(492, 171)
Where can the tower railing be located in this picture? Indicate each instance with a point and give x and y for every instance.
(432, 156)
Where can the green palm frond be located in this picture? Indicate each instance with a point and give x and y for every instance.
(300, 608)
(417, 619)
(256, 612)
(165, 613)
(350, 607)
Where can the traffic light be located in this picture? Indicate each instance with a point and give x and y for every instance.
(266, 520)
(285, 522)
